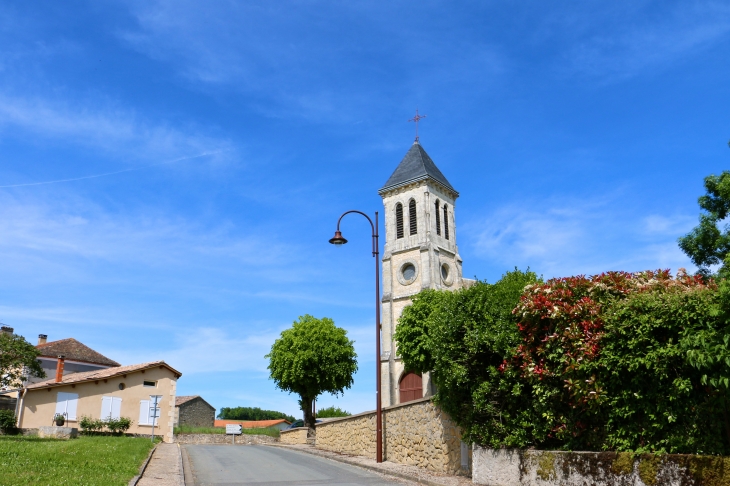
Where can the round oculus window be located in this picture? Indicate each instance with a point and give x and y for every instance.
(409, 271)
(122, 386)
(445, 271)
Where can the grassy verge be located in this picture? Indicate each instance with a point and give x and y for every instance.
(83, 461)
(222, 430)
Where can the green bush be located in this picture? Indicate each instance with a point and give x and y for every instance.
(252, 413)
(330, 412)
(7, 421)
(118, 426)
(619, 361)
(90, 426)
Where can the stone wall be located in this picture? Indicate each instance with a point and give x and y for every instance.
(416, 433)
(243, 439)
(195, 413)
(506, 467)
(293, 436)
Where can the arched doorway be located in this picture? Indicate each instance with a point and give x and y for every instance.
(411, 387)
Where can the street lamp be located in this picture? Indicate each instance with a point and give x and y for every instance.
(339, 240)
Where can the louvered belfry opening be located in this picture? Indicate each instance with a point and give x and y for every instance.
(438, 219)
(399, 220)
(413, 223)
(411, 387)
(446, 221)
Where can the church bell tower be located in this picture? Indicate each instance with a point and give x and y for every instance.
(420, 253)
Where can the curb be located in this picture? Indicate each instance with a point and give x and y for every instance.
(135, 480)
(187, 469)
(363, 466)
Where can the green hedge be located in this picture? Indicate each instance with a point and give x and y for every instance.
(619, 361)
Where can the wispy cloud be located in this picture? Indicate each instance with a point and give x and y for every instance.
(626, 40)
(563, 237)
(119, 133)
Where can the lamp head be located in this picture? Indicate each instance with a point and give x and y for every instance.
(338, 239)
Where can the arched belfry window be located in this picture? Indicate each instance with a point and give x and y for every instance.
(412, 222)
(399, 220)
(446, 221)
(438, 219)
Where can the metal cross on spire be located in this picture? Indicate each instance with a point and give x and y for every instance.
(416, 119)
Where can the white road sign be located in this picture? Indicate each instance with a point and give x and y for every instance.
(234, 429)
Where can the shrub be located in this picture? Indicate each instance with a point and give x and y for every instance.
(118, 426)
(90, 426)
(7, 421)
(332, 411)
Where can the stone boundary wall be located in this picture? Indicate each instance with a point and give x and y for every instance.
(510, 467)
(293, 436)
(417, 433)
(242, 439)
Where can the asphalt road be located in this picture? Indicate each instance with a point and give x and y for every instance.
(273, 466)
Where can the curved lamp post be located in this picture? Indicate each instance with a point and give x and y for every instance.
(338, 239)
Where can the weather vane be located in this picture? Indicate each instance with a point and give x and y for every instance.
(416, 119)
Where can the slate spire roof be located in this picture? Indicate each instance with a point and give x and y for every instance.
(415, 166)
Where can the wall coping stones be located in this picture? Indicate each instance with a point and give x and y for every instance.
(372, 412)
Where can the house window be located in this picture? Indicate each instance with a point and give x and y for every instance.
(438, 219)
(412, 222)
(446, 221)
(66, 404)
(147, 414)
(152, 384)
(399, 220)
(111, 408)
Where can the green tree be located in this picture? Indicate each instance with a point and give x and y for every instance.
(708, 244)
(332, 411)
(252, 413)
(312, 357)
(463, 337)
(18, 359)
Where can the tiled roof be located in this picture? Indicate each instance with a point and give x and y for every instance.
(102, 374)
(251, 424)
(185, 399)
(415, 166)
(180, 400)
(74, 350)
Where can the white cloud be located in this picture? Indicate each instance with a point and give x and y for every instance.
(562, 237)
(631, 39)
(119, 133)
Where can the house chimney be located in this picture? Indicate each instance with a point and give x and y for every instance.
(7, 329)
(59, 368)
(42, 338)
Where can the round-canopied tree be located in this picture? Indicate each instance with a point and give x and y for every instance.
(312, 357)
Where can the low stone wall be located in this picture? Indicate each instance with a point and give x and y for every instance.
(293, 436)
(242, 439)
(507, 467)
(416, 433)
(55, 432)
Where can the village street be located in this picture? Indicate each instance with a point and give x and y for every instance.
(273, 466)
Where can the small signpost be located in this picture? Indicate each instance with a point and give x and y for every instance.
(154, 411)
(234, 430)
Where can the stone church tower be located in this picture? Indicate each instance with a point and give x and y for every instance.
(420, 253)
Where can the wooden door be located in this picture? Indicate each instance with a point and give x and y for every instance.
(411, 387)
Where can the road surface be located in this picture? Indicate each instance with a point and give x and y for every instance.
(273, 466)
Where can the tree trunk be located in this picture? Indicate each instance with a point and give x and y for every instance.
(306, 404)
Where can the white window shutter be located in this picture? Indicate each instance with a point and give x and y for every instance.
(61, 404)
(116, 407)
(106, 408)
(71, 403)
(144, 412)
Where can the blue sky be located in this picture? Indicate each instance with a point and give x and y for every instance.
(170, 172)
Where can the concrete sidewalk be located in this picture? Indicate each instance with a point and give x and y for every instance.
(165, 468)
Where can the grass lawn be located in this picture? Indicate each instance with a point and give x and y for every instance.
(222, 430)
(82, 461)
